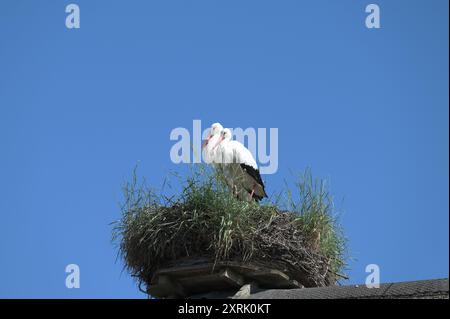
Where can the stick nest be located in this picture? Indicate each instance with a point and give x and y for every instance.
(206, 222)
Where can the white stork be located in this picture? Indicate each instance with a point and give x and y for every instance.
(240, 168)
(211, 140)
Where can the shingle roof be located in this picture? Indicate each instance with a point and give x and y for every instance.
(436, 288)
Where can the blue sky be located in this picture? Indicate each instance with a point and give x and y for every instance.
(367, 109)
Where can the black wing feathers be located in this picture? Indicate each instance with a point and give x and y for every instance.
(254, 173)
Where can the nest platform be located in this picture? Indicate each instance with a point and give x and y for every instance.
(201, 277)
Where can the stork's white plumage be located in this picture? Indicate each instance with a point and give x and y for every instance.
(240, 168)
(208, 147)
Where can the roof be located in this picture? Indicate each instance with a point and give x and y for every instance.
(424, 289)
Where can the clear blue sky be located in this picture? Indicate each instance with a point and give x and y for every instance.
(367, 109)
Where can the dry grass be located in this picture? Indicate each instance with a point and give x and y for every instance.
(297, 234)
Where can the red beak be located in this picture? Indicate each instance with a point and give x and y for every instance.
(205, 142)
(219, 141)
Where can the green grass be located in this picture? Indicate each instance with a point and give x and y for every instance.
(297, 231)
(317, 218)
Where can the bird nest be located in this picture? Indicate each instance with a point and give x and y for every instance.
(206, 222)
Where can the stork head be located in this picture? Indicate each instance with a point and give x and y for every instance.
(225, 135)
(215, 129)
